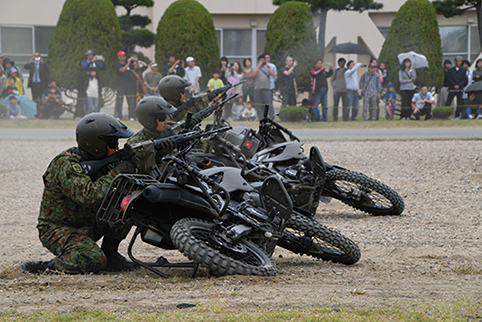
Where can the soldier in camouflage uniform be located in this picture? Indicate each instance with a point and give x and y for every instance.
(66, 224)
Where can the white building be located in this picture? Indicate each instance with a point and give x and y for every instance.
(28, 25)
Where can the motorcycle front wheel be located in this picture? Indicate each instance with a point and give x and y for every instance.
(362, 192)
(197, 240)
(306, 236)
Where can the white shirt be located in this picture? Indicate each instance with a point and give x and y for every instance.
(191, 75)
(93, 88)
(272, 79)
(418, 98)
(351, 78)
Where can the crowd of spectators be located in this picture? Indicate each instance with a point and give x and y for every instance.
(136, 79)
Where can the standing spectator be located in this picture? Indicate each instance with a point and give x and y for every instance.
(37, 78)
(288, 86)
(93, 91)
(174, 66)
(477, 76)
(351, 81)
(407, 76)
(262, 92)
(457, 79)
(468, 72)
(18, 81)
(390, 100)
(151, 80)
(473, 107)
(193, 74)
(138, 72)
(215, 82)
(371, 86)
(93, 61)
(51, 102)
(444, 90)
(13, 109)
(422, 104)
(339, 87)
(248, 75)
(382, 69)
(272, 78)
(234, 76)
(319, 87)
(126, 85)
(3, 83)
(224, 68)
(1, 63)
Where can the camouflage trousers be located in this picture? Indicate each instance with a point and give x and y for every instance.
(75, 248)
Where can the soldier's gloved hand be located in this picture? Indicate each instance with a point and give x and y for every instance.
(144, 156)
(126, 167)
(167, 146)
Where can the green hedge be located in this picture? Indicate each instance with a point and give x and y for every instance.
(442, 112)
(293, 113)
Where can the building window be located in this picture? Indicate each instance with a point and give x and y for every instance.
(16, 40)
(238, 44)
(383, 31)
(43, 35)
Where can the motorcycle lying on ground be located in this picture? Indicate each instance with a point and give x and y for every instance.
(191, 212)
(270, 147)
(303, 234)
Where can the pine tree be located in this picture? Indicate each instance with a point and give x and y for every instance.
(133, 28)
(187, 29)
(82, 25)
(321, 8)
(291, 33)
(414, 28)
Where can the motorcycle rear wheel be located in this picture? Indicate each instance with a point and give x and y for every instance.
(363, 193)
(194, 238)
(306, 236)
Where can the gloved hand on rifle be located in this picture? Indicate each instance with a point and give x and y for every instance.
(144, 156)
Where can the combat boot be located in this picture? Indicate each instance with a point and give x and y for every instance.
(37, 267)
(115, 261)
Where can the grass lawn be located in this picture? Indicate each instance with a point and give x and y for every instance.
(382, 124)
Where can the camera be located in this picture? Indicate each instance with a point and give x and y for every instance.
(264, 63)
(99, 57)
(37, 58)
(132, 58)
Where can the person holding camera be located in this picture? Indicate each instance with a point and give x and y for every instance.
(174, 66)
(126, 85)
(262, 92)
(93, 61)
(37, 78)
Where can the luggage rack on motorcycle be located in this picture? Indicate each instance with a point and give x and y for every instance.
(110, 211)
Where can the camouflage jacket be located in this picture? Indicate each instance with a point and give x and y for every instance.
(70, 197)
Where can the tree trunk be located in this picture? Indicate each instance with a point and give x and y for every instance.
(322, 31)
(478, 7)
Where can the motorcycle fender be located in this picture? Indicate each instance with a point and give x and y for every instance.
(231, 179)
(290, 150)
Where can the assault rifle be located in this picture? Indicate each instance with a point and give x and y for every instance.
(199, 116)
(91, 167)
(204, 98)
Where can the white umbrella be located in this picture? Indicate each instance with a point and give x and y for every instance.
(418, 60)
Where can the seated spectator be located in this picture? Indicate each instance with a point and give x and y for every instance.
(473, 107)
(13, 109)
(237, 109)
(51, 101)
(93, 91)
(249, 113)
(151, 80)
(18, 81)
(10, 88)
(422, 104)
(215, 82)
(8, 65)
(390, 98)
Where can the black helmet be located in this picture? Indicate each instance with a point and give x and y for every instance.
(151, 108)
(172, 86)
(94, 131)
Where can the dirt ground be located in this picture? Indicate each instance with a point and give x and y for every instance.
(429, 253)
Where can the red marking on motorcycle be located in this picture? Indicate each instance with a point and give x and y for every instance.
(125, 202)
(248, 145)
